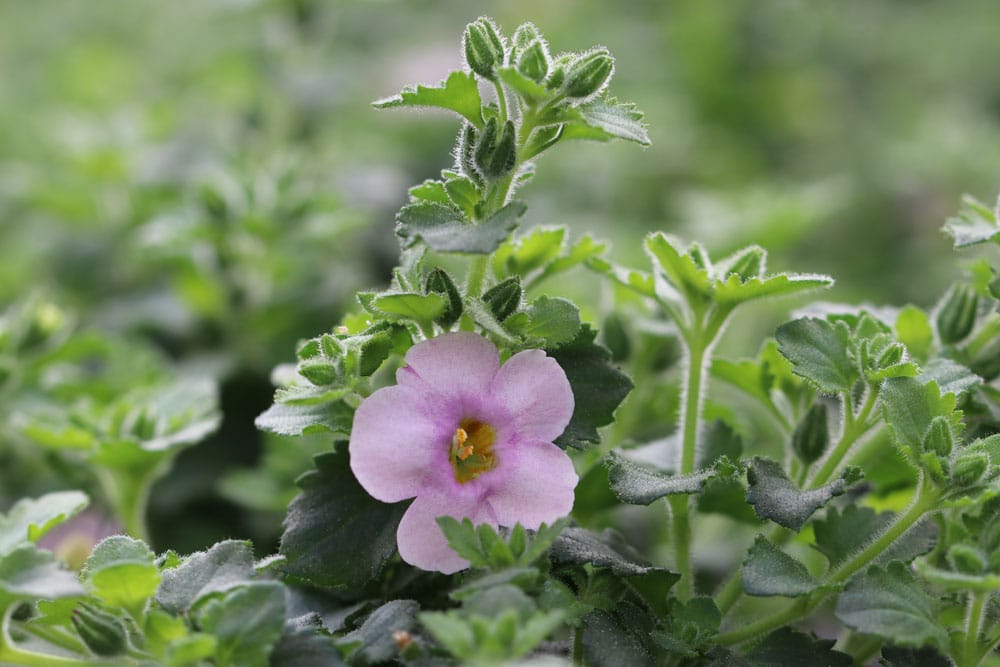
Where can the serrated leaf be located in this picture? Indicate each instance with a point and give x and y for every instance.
(458, 93)
(975, 223)
(305, 647)
(463, 193)
(890, 603)
(775, 498)
(530, 252)
(639, 484)
(786, 646)
(463, 539)
(446, 230)
(818, 352)
(336, 535)
(909, 405)
(607, 549)
(26, 573)
(120, 571)
(292, 419)
(222, 567)
(767, 570)
(30, 518)
(529, 90)
(553, 319)
(681, 267)
(413, 306)
(606, 119)
(598, 387)
(734, 290)
(246, 623)
(638, 281)
(430, 190)
(951, 377)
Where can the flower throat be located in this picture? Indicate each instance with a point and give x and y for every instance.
(471, 452)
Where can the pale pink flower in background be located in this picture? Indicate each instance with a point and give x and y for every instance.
(466, 437)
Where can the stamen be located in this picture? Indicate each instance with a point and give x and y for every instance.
(472, 450)
(465, 452)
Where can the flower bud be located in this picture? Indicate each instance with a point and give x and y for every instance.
(957, 314)
(588, 74)
(749, 264)
(939, 438)
(524, 35)
(465, 152)
(484, 49)
(495, 153)
(557, 72)
(102, 632)
(504, 298)
(970, 468)
(319, 371)
(812, 434)
(890, 356)
(966, 559)
(440, 282)
(533, 61)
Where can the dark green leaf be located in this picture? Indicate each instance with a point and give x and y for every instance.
(305, 647)
(683, 268)
(458, 93)
(246, 622)
(690, 627)
(375, 635)
(640, 484)
(777, 499)
(224, 566)
(598, 387)
(504, 298)
(552, 319)
(890, 603)
(818, 352)
(926, 656)
(445, 229)
(336, 535)
(767, 570)
(789, 647)
(608, 549)
(611, 641)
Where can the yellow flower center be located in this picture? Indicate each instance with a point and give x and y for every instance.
(471, 450)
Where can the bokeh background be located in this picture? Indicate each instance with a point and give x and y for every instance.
(207, 176)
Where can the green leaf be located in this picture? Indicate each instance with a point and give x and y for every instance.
(26, 573)
(925, 656)
(890, 603)
(305, 646)
(529, 90)
(598, 387)
(120, 571)
(775, 498)
(909, 405)
(685, 270)
(29, 519)
(691, 627)
(459, 93)
(817, 350)
(951, 377)
(289, 419)
(976, 223)
(224, 566)
(607, 119)
(537, 248)
(638, 484)
(913, 329)
(445, 229)
(336, 535)
(786, 646)
(246, 623)
(438, 281)
(734, 290)
(429, 190)
(463, 193)
(610, 641)
(412, 306)
(767, 570)
(554, 320)
(375, 636)
(604, 550)
(464, 540)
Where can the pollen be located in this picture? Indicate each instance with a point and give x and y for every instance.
(471, 450)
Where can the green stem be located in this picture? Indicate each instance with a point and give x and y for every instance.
(854, 428)
(477, 274)
(128, 494)
(578, 658)
(971, 655)
(10, 654)
(924, 499)
(501, 99)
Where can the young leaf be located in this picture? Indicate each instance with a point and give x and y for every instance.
(640, 485)
(777, 499)
(890, 603)
(121, 573)
(913, 329)
(336, 535)
(909, 406)
(26, 573)
(458, 93)
(419, 307)
(598, 387)
(30, 518)
(976, 223)
(951, 377)
(581, 547)
(290, 419)
(734, 290)
(686, 271)
(225, 565)
(818, 352)
(246, 623)
(552, 319)
(445, 229)
(767, 570)
(607, 119)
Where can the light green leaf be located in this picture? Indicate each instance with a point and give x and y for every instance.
(446, 230)
(121, 572)
(685, 270)
(775, 498)
(531, 91)
(246, 623)
(733, 290)
(817, 350)
(553, 319)
(606, 119)
(530, 252)
(29, 519)
(432, 191)
(458, 93)
(26, 573)
(951, 377)
(976, 223)
(909, 406)
(463, 193)
(635, 280)
(292, 419)
(420, 307)
(767, 570)
(913, 329)
(224, 566)
(890, 603)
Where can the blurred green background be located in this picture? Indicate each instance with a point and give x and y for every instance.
(208, 176)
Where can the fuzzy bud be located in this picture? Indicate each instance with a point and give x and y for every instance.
(939, 438)
(890, 356)
(103, 632)
(812, 434)
(484, 49)
(504, 298)
(319, 371)
(970, 468)
(966, 559)
(557, 72)
(957, 314)
(588, 74)
(533, 61)
(750, 264)
(440, 282)
(495, 154)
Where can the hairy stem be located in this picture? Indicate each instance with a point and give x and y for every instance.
(971, 655)
(854, 428)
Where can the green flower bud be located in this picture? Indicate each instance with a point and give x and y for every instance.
(812, 434)
(103, 632)
(557, 72)
(331, 346)
(524, 35)
(957, 314)
(890, 356)
(533, 61)
(484, 49)
(970, 468)
(496, 151)
(465, 152)
(319, 371)
(588, 74)
(966, 559)
(939, 438)
(504, 298)
(440, 282)
(749, 264)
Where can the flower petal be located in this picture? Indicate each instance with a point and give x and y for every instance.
(537, 485)
(534, 389)
(420, 539)
(396, 444)
(456, 365)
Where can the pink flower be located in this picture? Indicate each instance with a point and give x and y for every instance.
(466, 437)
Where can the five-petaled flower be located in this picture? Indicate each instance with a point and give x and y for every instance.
(466, 437)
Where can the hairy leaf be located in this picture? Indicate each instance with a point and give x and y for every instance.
(840, 534)
(909, 406)
(786, 646)
(610, 641)
(976, 223)
(777, 499)
(639, 484)
(733, 290)
(458, 93)
(30, 518)
(767, 570)
(376, 634)
(818, 352)
(606, 119)
(445, 229)
(225, 565)
(26, 573)
(246, 622)
(290, 419)
(607, 549)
